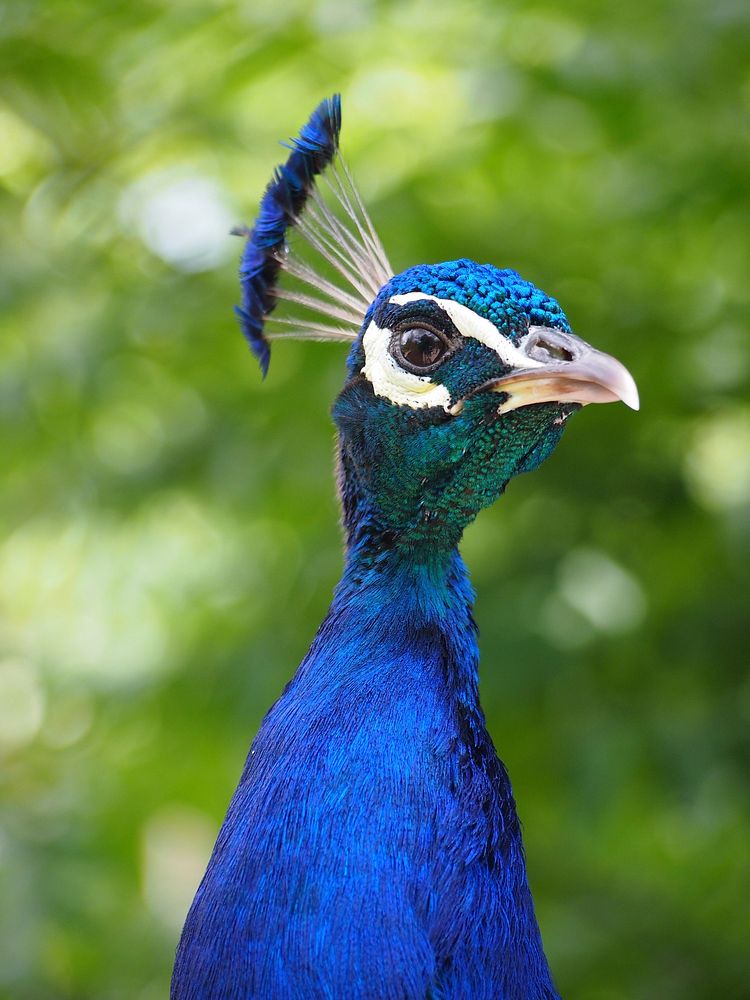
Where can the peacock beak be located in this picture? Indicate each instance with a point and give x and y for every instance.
(563, 368)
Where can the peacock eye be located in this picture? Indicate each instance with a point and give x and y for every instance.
(420, 348)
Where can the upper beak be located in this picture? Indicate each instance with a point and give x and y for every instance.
(564, 368)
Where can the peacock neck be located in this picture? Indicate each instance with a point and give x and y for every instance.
(412, 594)
(384, 710)
(424, 586)
(397, 653)
(401, 601)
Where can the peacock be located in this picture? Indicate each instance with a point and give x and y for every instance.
(372, 848)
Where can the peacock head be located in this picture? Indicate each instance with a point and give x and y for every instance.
(460, 375)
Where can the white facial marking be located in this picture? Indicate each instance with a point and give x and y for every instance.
(388, 379)
(471, 324)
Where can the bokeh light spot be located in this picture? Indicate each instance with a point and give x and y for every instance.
(176, 845)
(184, 219)
(717, 463)
(22, 703)
(607, 595)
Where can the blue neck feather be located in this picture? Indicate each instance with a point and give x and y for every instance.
(372, 848)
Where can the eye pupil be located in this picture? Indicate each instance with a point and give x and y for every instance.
(421, 348)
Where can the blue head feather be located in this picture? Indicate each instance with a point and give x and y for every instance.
(282, 203)
(500, 294)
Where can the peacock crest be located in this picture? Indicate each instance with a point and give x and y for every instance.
(333, 223)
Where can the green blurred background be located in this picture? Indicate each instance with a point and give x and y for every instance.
(169, 536)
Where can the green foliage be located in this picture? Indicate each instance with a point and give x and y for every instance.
(169, 528)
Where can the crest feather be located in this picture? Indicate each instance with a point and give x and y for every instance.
(345, 239)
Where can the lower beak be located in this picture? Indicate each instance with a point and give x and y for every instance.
(564, 369)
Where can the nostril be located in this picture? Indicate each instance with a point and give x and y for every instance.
(543, 350)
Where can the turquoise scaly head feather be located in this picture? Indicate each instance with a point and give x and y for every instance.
(372, 847)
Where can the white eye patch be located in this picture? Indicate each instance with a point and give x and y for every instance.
(388, 379)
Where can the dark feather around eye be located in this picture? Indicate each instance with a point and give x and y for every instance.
(419, 349)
